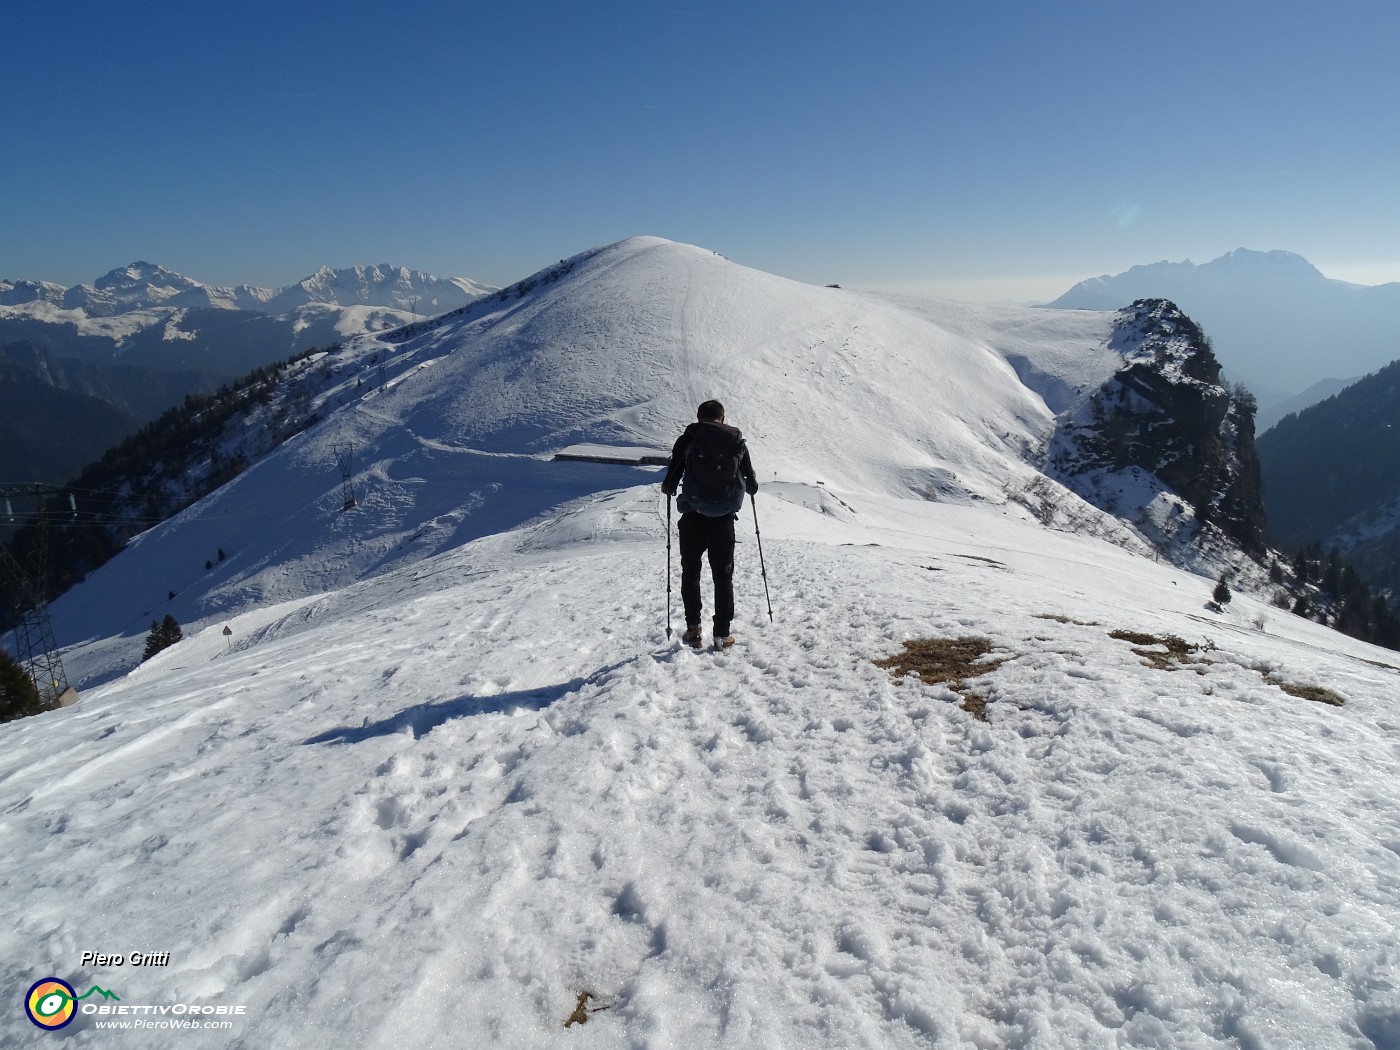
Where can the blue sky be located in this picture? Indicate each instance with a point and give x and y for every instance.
(987, 148)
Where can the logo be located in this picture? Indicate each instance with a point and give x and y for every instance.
(51, 1003)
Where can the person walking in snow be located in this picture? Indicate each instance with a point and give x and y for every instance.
(710, 463)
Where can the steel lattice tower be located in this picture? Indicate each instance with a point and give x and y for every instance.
(34, 637)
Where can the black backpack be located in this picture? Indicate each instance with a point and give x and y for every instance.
(712, 469)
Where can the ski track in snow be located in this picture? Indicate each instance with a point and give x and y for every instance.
(450, 812)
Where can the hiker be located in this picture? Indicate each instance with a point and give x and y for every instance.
(714, 460)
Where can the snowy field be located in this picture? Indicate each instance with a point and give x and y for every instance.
(434, 809)
(447, 783)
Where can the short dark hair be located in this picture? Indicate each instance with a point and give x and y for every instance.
(710, 412)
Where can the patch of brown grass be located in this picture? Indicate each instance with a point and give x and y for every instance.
(1175, 651)
(1308, 692)
(949, 661)
(581, 1011)
(976, 706)
(1061, 618)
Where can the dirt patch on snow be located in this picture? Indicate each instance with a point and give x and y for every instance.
(950, 661)
(1174, 652)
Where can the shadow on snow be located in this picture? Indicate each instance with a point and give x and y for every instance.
(421, 719)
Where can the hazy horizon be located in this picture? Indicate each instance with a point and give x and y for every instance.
(982, 151)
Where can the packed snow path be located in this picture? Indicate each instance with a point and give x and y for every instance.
(436, 808)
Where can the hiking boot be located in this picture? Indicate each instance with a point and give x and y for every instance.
(726, 642)
(691, 637)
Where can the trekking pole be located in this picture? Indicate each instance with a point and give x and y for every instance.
(668, 568)
(753, 502)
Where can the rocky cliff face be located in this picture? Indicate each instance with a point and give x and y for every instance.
(1165, 422)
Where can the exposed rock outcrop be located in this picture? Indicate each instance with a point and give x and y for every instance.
(1166, 422)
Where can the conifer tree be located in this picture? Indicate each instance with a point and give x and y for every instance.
(153, 642)
(163, 635)
(18, 697)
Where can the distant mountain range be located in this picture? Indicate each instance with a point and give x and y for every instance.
(142, 285)
(1276, 323)
(148, 316)
(82, 367)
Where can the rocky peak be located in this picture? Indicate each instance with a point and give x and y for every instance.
(16, 293)
(1166, 415)
(142, 275)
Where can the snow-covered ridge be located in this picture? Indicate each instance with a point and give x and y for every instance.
(446, 780)
(620, 343)
(838, 392)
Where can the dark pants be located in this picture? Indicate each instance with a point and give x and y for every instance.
(700, 535)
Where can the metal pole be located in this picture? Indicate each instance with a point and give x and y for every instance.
(668, 568)
(753, 502)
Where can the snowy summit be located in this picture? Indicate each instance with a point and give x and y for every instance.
(427, 771)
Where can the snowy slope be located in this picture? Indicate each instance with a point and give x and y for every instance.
(815, 376)
(434, 808)
(447, 773)
(452, 428)
(1062, 355)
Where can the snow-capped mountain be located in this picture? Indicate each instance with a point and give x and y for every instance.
(150, 295)
(430, 767)
(143, 317)
(142, 285)
(398, 288)
(17, 293)
(1277, 323)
